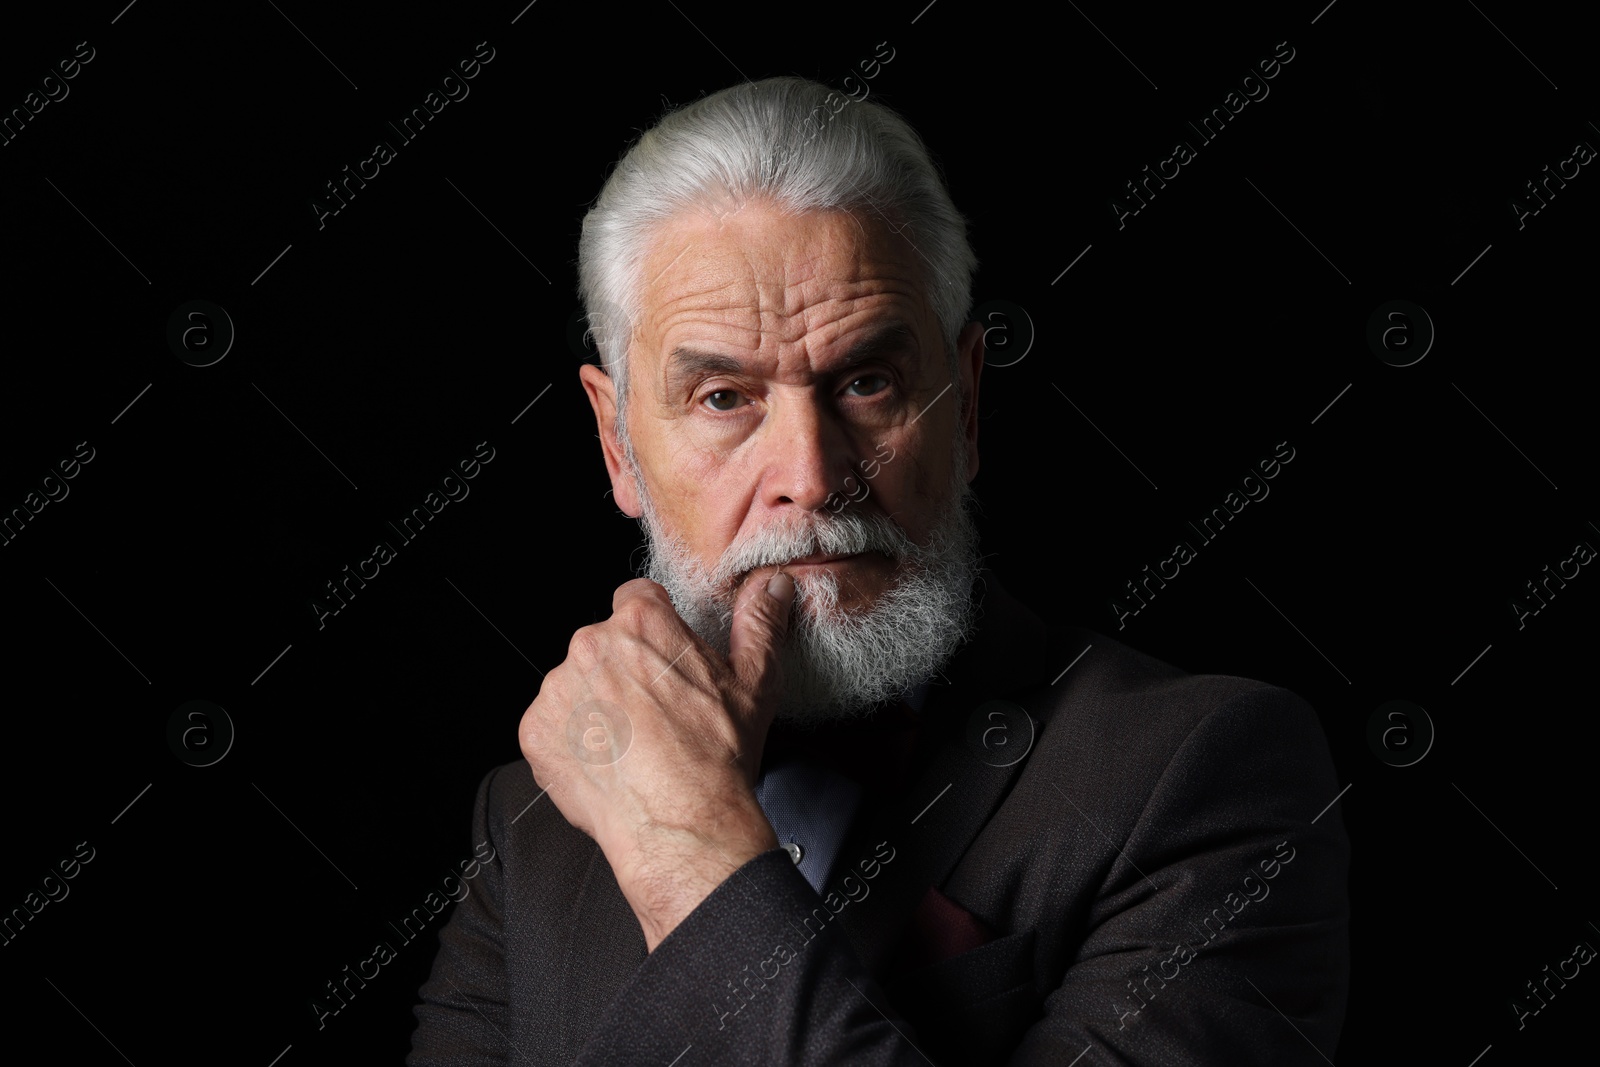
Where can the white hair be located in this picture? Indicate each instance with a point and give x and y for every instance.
(762, 140)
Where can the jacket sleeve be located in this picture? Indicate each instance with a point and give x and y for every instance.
(1220, 932)
(462, 1019)
(744, 979)
(1217, 934)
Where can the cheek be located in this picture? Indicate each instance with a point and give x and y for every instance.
(925, 478)
(696, 464)
(698, 496)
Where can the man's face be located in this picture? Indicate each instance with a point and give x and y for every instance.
(783, 366)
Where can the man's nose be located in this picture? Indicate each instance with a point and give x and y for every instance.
(806, 455)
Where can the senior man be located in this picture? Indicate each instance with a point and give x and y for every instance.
(819, 790)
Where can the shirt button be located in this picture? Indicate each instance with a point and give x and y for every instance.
(795, 851)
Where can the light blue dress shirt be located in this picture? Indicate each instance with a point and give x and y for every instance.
(811, 807)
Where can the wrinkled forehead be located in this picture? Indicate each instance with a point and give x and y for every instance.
(755, 274)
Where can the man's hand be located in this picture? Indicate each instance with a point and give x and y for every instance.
(650, 742)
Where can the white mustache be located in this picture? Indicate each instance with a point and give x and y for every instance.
(837, 662)
(849, 534)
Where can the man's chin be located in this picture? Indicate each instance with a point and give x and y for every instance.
(864, 630)
(841, 664)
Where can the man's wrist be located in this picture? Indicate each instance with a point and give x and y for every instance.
(668, 871)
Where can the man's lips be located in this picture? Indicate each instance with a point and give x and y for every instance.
(816, 559)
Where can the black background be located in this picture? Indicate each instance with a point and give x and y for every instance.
(1222, 319)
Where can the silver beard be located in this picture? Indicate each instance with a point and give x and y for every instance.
(837, 664)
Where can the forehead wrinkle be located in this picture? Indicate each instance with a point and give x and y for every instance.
(795, 285)
(696, 304)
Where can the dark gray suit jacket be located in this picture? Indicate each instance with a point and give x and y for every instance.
(1149, 849)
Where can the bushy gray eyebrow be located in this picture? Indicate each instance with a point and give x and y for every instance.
(686, 364)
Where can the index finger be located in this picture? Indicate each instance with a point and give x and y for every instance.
(636, 588)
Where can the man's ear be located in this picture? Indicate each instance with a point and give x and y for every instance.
(603, 398)
(969, 364)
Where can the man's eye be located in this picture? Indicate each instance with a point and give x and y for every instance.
(882, 384)
(723, 400)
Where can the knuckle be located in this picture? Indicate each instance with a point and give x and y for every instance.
(531, 730)
(639, 611)
(635, 611)
(585, 644)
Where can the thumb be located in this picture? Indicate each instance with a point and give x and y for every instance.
(760, 621)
